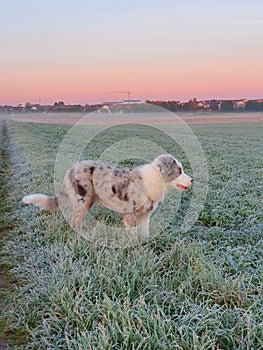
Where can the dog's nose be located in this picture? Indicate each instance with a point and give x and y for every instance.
(192, 181)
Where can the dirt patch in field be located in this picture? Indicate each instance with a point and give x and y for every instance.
(144, 118)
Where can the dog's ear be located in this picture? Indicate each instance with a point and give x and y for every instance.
(159, 167)
(160, 163)
(167, 167)
(157, 163)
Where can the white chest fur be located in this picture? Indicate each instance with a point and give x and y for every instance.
(153, 182)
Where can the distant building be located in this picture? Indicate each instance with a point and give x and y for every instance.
(110, 103)
(239, 104)
(131, 101)
(105, 109)
(202, 105)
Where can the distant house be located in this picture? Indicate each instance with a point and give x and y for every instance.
(131, 101)
(21, 105)
(27, 106)
(213, 104)
(239, 104)
(105, 109)
(110, 103)
(201, 104)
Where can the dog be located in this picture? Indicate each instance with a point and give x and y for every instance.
(134, 193)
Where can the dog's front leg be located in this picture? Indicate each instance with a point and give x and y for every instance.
(144, 228)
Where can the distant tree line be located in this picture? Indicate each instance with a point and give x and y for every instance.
(209, 106)
(193, 105)
(250, 106)
(254, 106)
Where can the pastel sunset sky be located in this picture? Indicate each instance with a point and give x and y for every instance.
(80, 51)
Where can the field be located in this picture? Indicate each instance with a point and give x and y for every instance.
(200, 289)
(159, 117)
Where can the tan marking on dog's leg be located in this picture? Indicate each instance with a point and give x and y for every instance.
(129, 220)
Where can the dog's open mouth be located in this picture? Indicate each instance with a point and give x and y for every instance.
(182, 187)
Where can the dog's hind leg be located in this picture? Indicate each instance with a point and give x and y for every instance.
(80, 210)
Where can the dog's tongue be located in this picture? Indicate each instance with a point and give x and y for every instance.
(181, 187)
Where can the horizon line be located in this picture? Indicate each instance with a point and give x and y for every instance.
(119, 101)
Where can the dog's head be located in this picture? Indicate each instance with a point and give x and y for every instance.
(172, 173)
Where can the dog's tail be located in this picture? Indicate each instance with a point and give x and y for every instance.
(42, 201)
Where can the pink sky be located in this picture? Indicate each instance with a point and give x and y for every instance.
(79, 54)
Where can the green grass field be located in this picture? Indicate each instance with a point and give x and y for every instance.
(196, 290)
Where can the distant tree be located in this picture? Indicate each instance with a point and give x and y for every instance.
(226, 106)
(170, 105)
(28, 106)
(75, 108)
(214, 106)
(89, 108)
(252, 106)
(173, 106)
(59, 104)
(193, 104)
